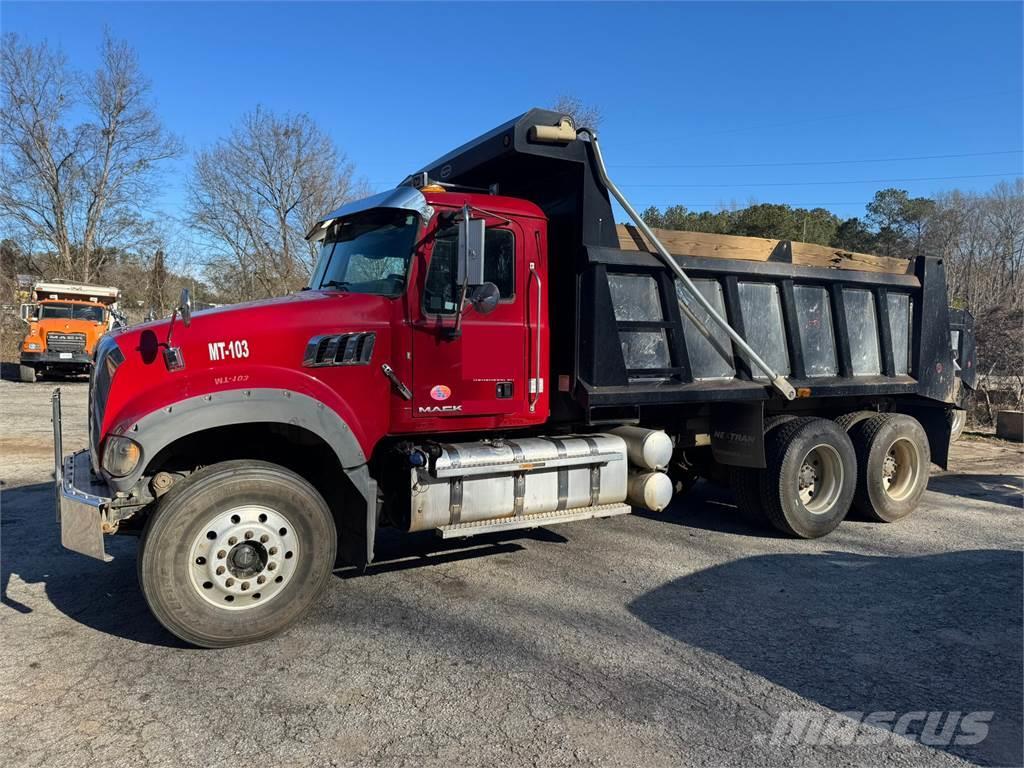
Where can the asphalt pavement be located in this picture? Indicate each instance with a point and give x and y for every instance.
(685, 638)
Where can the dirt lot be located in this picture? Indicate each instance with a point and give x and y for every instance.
(651, 640)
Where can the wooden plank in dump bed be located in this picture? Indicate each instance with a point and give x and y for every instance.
(705, 245)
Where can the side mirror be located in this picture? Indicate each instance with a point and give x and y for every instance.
(484, 298)
(185, 307)
(28, 312)
(471, 249)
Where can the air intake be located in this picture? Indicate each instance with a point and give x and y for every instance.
(339, 349)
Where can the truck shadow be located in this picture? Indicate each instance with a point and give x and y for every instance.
(397, 551)
(9, 372)
(710, 507)
(106, 596)
(933, 633)
(103, 596)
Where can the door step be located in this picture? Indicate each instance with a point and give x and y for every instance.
(459, 530)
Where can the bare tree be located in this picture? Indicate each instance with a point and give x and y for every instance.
(583, 115)
(981, 237)
(78, 189)
(254, 195)
(156, 297)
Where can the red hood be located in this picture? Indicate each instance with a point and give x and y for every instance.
(259, 344)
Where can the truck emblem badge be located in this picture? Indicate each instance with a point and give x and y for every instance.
(446, 171)
(439, 409)
(441, 392)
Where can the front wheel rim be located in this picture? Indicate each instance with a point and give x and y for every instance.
(820, 479)
(243, 557)
(901, 469)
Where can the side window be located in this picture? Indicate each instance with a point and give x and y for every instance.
(441, 292)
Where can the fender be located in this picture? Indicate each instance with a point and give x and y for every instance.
(158, 429)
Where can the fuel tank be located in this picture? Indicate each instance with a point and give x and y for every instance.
(493, 480)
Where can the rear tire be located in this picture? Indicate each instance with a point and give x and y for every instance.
(746, 487)
(849, 420)
(892, 459)
(236, 553)
(811, 477)
(748, 483)
(27, 374)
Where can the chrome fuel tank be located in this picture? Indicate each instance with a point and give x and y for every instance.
(491, 480)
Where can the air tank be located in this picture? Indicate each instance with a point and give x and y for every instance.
(646, 448)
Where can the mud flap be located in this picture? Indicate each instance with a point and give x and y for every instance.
(356, 518)
(937, 427)
(737, 434)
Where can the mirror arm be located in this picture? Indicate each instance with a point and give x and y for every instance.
(170, 327)
(455, 331)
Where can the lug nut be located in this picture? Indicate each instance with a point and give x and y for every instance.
(273, 550)
(233, 540)
(271, 566)
(261, 579)
(264, 539)
(230, 582)
(220, 569)
(245, 585)
(248, 534)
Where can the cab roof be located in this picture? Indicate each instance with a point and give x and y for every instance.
(509, 206)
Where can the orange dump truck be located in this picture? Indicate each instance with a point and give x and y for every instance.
(64, 323)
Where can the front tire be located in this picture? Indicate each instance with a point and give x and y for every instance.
(236, 553)
(893, 459)
(27, 374)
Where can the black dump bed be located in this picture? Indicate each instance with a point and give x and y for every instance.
(621, 338)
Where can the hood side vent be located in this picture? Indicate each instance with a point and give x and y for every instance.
(339, 349)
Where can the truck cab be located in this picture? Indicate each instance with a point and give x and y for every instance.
(478, 350)
(64, 324)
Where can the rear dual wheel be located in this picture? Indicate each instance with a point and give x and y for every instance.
(893, 457)
(808, 483)
(236, 553)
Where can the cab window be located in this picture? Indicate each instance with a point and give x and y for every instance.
(61, 311)
(441, 293)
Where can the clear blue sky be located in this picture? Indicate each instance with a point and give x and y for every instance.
(679, 84)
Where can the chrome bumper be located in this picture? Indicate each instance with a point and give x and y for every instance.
(81, 499)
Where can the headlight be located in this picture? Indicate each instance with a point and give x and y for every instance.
(33, 345)
(120, 455)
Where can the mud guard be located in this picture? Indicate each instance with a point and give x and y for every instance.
(937, 427)
(737, 434)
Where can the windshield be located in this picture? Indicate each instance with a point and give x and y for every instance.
(56, 311)
(368, 253)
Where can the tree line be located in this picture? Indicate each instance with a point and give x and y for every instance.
(83, 156)
(980, 237)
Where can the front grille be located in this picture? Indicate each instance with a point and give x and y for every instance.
(341, 349)
(65, 342)
(108, 358)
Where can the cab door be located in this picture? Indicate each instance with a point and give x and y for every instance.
(482, 371)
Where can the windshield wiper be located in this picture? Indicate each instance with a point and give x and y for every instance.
(342, 284)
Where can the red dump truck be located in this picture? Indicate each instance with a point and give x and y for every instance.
(482, 350)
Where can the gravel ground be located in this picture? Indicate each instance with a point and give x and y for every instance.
(650, 640)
